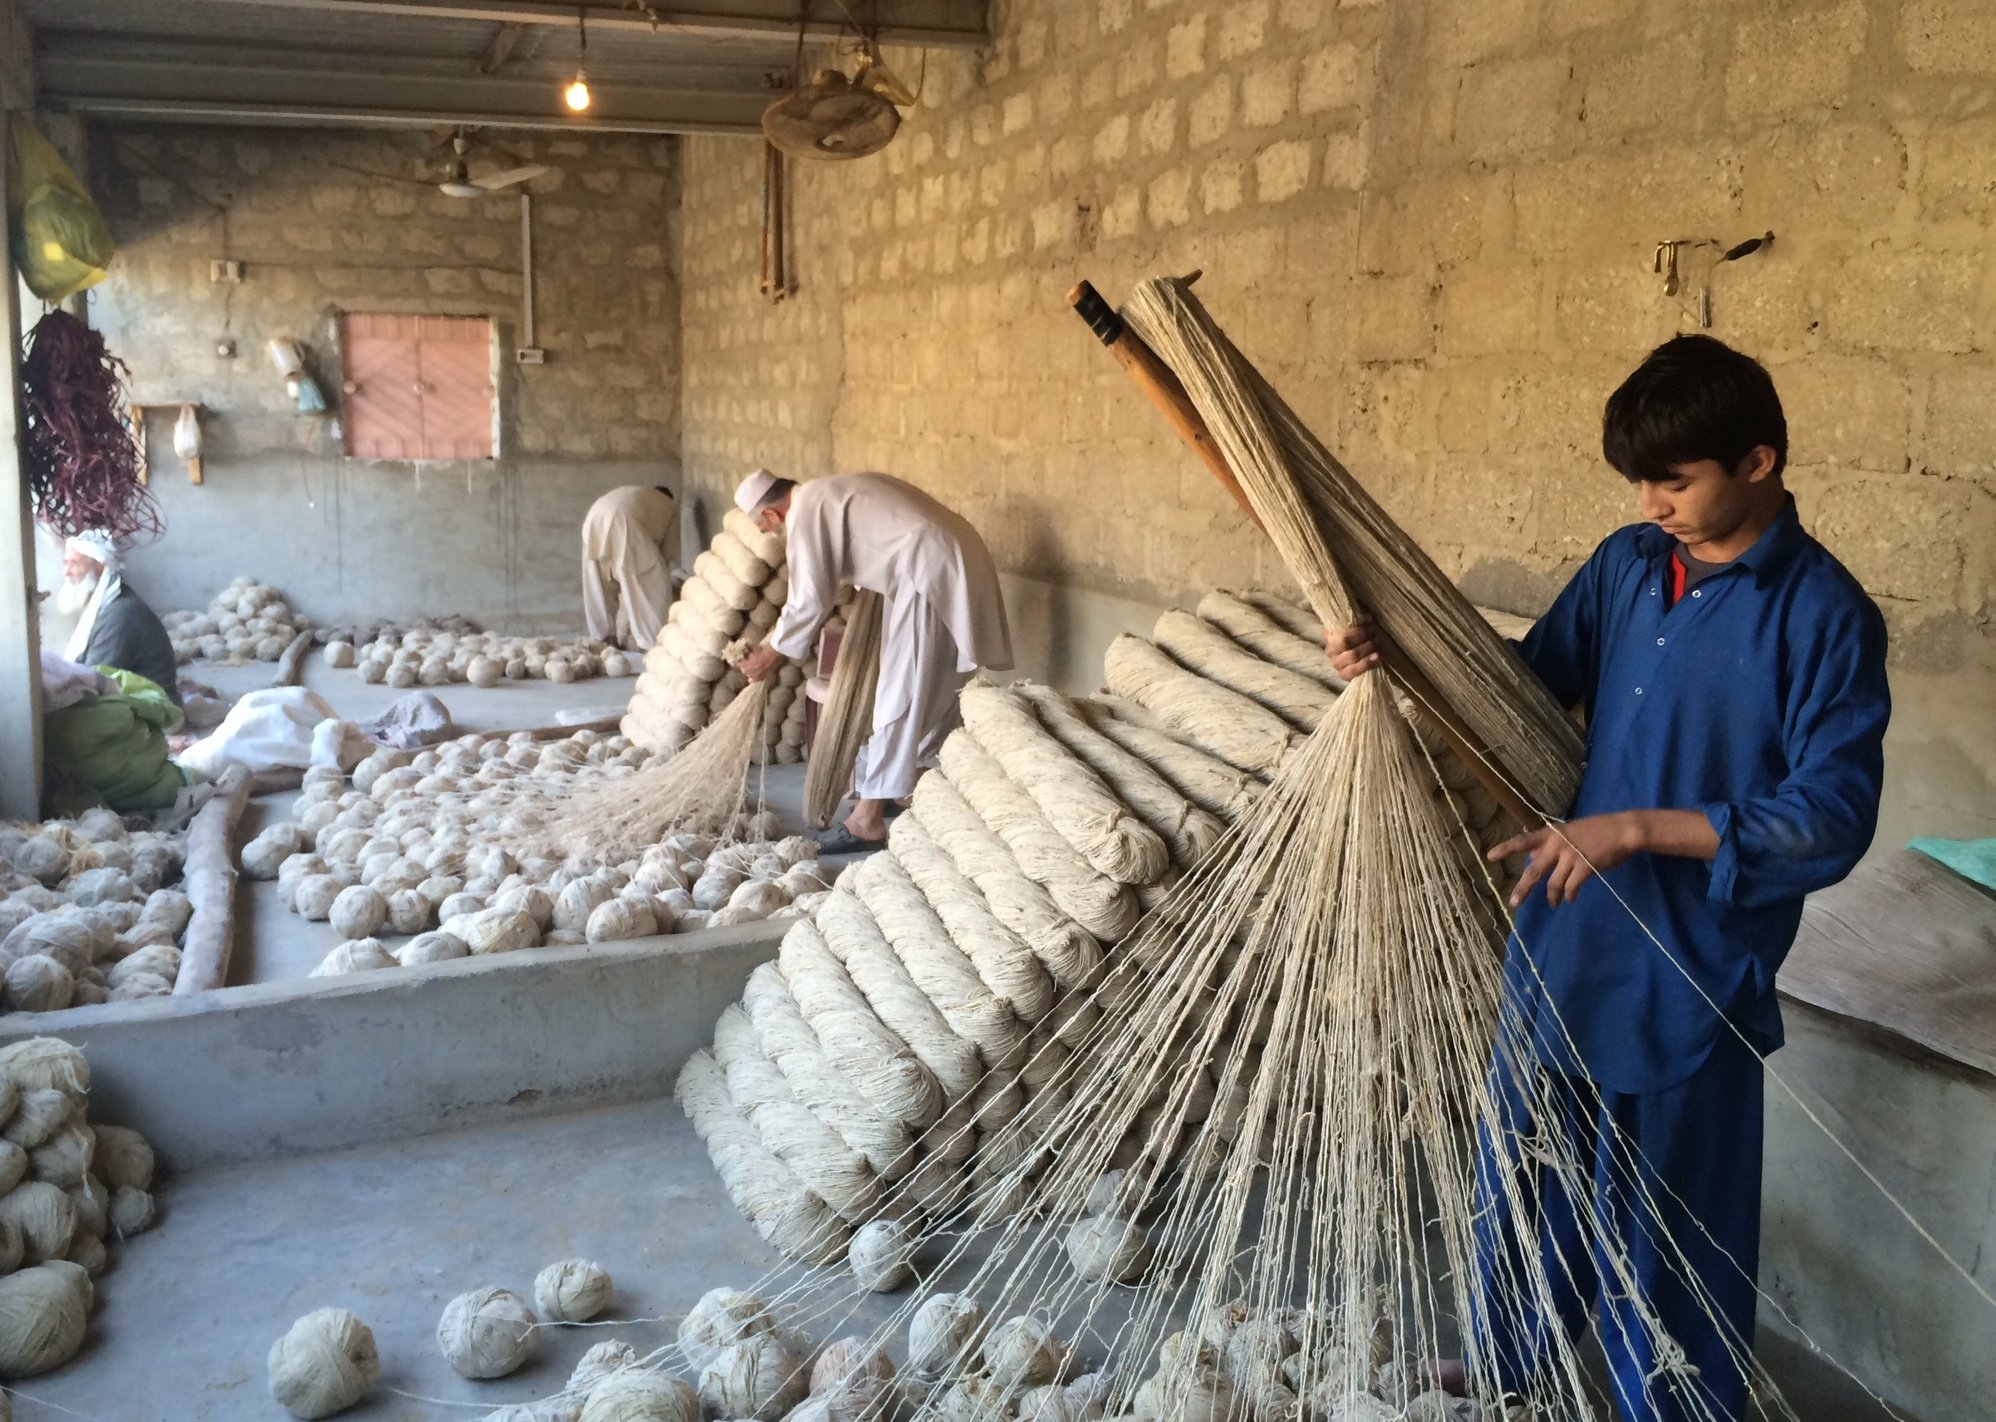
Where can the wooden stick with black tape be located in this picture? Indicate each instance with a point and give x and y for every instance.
(1162, 388)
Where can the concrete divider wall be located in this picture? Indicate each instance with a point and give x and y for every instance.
(297, 1068)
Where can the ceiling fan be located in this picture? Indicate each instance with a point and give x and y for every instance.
(459, 183)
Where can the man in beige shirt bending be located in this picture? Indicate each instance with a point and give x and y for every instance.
(630, 546)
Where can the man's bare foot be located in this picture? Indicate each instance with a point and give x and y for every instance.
(868, 820)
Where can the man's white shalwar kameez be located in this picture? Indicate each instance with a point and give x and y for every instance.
(943, 618)
(630, 544)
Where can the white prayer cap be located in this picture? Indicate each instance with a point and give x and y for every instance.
(748, 498)
(94, 544)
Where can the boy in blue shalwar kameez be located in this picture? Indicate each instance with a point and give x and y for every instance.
(1732, 675)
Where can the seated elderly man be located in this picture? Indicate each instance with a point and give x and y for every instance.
(114, 626)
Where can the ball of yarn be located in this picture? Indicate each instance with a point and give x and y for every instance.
(359, 955)
(264, 855)
(436, 947)
(975, 1400)
(1053, 1403)
(722, 1318)
(612, 1355)
(573, 1291)
(882, 1253)
(850, 1376)
(92, 1202)
(87, 1252)
(324, 1364)
(944, 1334)
(64, 1158)
(486, 1333)
(38, 983)
(484, 671)
(130, 1212)
(358, 912)
(100, 886)
(620, 920)
(1104, 1247)
(13, 1166)
(1022, 1352)
(339, 654)
(170, 907)
(42, 857)
(45, 1216)
(409, 911)
(43, 1312)
(530, 899)
(496, 931)
(40, 1115)
(760, 1377)
(641, 1397)
(11, 1254)
(314, 896)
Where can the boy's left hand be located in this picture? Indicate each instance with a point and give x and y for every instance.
(1567, 856)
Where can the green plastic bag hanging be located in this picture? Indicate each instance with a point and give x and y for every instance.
(60, 241)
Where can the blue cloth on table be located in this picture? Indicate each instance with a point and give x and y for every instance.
(1971, 858)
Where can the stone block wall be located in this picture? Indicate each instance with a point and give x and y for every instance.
(330, 221)
(1432, 224)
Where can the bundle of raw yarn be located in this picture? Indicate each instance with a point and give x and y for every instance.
(406, 860)
(735, 593)
(70, 1187)
(486, 1333)
(84, 914)
(324, 1364)
(425, 656)
(572, 1291)
(894, 1061)
(248, 621)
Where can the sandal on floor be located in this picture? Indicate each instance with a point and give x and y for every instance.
(844, 841)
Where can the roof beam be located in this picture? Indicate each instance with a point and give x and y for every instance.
(932, 24)
(340, 91)
(503, 39)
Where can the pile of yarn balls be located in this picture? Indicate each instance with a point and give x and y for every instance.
(405, 850)
(327, 1360)
(69, 1187)
(437, 657)
(736, 592)
(83, 915)
(248, 621)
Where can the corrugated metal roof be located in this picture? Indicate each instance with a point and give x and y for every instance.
(99, 55)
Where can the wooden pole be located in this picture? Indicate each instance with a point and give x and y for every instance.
(1165, 391)
(209, 881)
(291, 666)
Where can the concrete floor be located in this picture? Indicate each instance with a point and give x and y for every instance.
(393, 1231)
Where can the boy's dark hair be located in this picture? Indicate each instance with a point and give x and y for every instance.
(663, 490)
(775, 492)
(1693, 398)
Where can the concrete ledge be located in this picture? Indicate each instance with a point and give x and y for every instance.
(1853, 1276)
(294, 1068)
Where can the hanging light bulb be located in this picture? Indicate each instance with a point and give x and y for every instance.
(576, 95)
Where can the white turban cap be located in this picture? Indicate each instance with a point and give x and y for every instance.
(94, 544)
(748, 498)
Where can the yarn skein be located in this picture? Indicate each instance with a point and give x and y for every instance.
(324, 1364)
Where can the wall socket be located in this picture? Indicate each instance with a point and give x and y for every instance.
(531, 355)
(224, 270)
